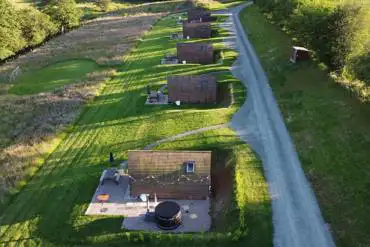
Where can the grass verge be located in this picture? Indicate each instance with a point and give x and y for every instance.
(329, 126)
(50, 209)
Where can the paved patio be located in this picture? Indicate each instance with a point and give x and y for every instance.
(162, 101)
(195, 218)
(119, 197)
(195, 213)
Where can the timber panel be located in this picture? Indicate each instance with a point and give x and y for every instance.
(197, 14)
(146, 163)
(163, 173)
(196, 30)
(175, 191)
(201, 53)
(192, 89)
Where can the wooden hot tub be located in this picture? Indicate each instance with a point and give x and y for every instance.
(168, 215)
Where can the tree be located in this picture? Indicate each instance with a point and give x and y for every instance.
(103, 4)
(64, 12)
(10, 34)
(35, 25)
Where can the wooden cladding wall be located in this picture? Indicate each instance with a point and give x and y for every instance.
(146, 163)
(192, 89)
(163, 173)
(201, 53)
(196, 30)
(174, 191)
(200, 14)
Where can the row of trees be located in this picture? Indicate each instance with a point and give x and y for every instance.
(21, 28)
(339, 33)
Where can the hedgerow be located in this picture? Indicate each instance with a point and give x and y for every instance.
(338, 33)
(22, 28)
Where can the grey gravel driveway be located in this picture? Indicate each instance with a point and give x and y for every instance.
(297, 217)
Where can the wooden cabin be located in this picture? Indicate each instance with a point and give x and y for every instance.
(178, 175)
(192, 89)
(201, 53)
(196, 14)
(198, 29)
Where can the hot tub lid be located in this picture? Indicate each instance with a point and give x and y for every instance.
(167, 209)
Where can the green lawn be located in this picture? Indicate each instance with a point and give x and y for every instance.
(329, 126)
(50, 208)
(53, 76)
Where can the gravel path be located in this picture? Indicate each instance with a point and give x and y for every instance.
(296, 215)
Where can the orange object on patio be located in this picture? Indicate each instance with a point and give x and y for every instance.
(103, 197)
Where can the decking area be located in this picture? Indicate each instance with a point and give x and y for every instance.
(195, 213)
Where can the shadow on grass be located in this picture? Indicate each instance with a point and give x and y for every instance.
(137, 98)
(76, 228)
(51, 207)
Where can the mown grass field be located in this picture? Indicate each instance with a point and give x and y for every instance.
(49, 211)
(329, 126)
(55, 82)
(52, 77)
(104, 40)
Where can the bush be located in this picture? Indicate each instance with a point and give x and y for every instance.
(64, 12)
(206, 4)
(35, 26)
(104, 4)
(331, 29)
(10, 34)
(359, 67)
(311, 28)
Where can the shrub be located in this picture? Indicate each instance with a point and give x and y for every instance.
(344, 27)
(104, 4)
(64, 12)
(206, 4)
(284, 10)
(35, 26)
(359, 67)
(10, 34)
(43, 3)
(336, 32)
(311, 28)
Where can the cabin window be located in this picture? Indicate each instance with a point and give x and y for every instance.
(190, 167)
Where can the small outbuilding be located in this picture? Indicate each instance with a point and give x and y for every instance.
(181, 175)
(197, 29)
(201, 53)
(299, 54)
(192, 89)
(201, 14)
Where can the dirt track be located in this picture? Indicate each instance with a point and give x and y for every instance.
(296, 215)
